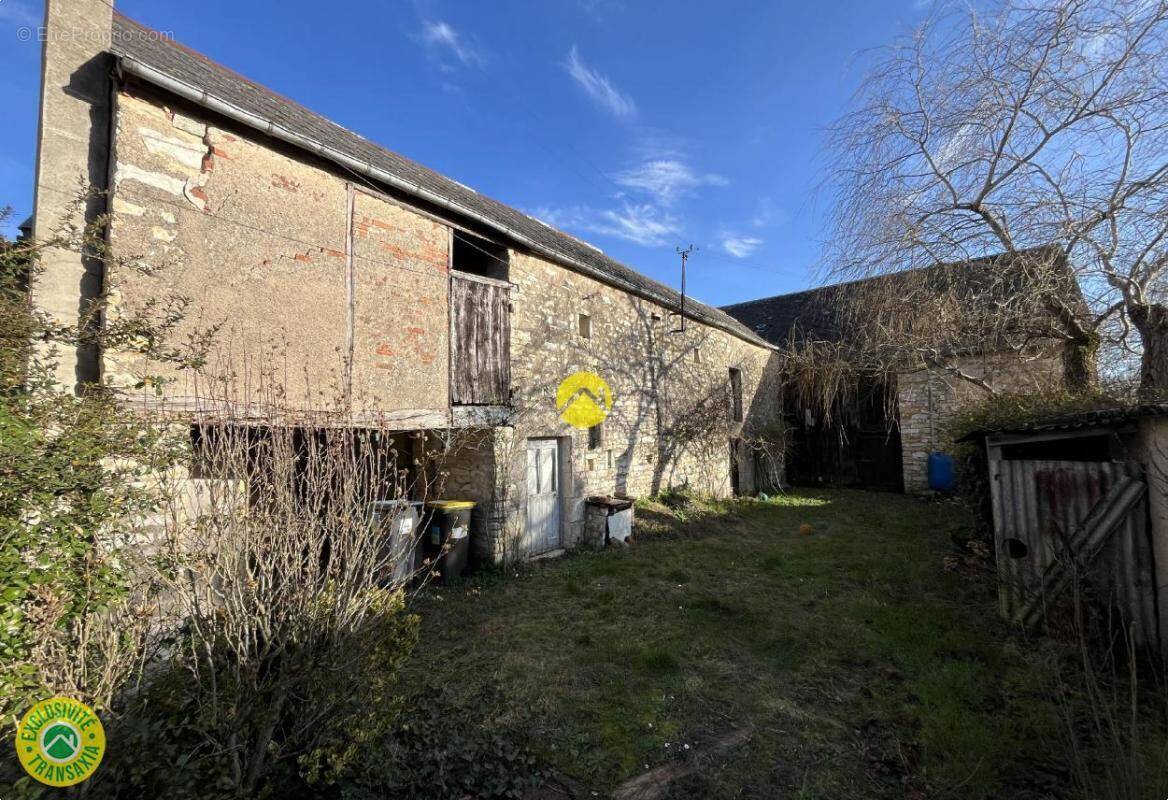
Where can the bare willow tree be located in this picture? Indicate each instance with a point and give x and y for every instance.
(1038, 128)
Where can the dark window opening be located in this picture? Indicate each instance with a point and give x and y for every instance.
(596, 436)
(736, 393)
(1079, 448)
(585, 324)
(479, 257)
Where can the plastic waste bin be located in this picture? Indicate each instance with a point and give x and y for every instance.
(941, 472)
(398, 520)
(448, 536)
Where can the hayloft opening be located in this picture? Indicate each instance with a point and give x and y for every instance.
(478, 256)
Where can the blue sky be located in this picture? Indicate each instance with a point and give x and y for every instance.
(638, 126)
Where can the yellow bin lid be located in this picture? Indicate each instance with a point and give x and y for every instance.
(450, 505)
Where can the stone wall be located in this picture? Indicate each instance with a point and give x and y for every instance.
(469, 466)
(305, 273)
(928, 399)
(72, 144)
(324, 292)
(671, 423)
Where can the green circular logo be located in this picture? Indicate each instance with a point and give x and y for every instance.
(60, 742)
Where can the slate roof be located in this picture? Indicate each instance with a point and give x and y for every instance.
(188, 67)
(805, 314)
(815, 314)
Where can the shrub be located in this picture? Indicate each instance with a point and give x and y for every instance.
(443, 747)
(74, 494)
(181, 720)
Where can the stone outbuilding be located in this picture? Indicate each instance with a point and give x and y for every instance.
(887, 423)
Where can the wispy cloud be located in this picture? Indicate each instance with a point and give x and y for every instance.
(598, 9)
(740, 246)
(639, 223)
(768, 214)
(666, 180)
(598, 87)
(19, 14)
(443, 40)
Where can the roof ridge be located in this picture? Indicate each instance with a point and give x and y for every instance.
(976, 261)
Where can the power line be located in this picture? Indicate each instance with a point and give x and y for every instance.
(268, 232)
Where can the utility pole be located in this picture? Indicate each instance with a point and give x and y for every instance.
(684, 258)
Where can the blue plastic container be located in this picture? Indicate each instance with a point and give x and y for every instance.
(941, 472)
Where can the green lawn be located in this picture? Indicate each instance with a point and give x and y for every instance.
(861, 666)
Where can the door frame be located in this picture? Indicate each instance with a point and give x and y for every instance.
(561, 506)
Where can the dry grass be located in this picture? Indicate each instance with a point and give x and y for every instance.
(862, 666)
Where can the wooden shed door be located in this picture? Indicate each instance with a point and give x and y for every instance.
(480, 341)
(543, 495)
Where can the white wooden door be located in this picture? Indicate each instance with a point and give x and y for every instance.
(543, 495)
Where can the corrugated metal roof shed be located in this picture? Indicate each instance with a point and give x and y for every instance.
(1079, 420)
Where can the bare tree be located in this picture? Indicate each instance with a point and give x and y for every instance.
(1037, 125)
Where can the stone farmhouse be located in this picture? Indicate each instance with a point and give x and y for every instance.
(378, 288)
(367, 285)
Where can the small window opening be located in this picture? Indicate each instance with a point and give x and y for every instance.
(697, 355)
(585, 323)
(596, 436)
(736, 393)
(478, 256)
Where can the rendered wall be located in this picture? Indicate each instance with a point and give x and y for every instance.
(261, 244)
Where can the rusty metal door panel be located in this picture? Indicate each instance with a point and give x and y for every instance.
(1037, 506)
